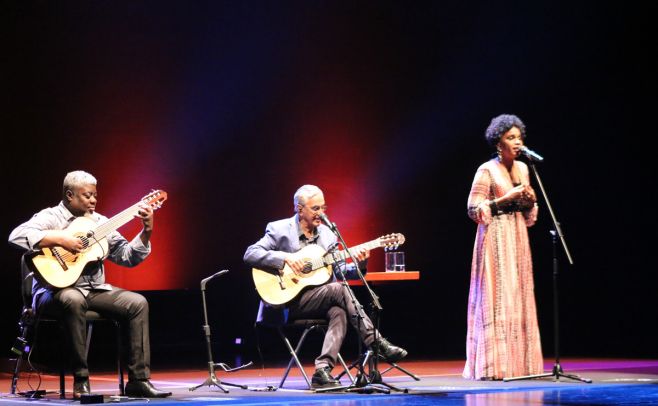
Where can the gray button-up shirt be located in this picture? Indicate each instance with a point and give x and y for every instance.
(29, 234)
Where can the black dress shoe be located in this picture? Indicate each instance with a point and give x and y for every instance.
(144, 389)
(80, 387)
(388, 351)
(323, 379)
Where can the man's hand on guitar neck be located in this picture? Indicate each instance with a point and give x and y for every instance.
(145, 213)
(360, 253)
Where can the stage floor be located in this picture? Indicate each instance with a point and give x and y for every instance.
(614, 382)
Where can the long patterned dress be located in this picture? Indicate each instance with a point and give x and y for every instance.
(503, 336)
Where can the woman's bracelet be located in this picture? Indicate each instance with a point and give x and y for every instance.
(494, 207)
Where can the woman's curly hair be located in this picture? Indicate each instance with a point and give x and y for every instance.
(500, 125)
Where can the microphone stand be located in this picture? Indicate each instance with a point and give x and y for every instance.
(212, 379)
(362, 382)
(557, 371)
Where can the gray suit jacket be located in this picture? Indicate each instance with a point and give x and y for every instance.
(281, 238)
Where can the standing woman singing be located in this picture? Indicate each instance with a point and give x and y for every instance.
(502, 339)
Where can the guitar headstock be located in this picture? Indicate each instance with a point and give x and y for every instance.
(391, 241)
(155, 199)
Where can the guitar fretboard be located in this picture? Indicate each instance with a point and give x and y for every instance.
(115, 222)
(154, 200)
(338, 256)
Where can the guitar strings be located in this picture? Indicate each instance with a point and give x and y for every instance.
(317, 263)
(106, 228)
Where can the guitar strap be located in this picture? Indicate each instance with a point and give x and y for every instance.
(88, 279)
(101, 265)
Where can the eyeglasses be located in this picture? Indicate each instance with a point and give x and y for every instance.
(316, 209)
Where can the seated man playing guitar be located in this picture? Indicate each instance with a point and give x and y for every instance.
(278, 252)
(53, 247)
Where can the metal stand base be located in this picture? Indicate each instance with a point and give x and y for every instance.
(212, 379)
(393, 365)
(365, 382)
(557, 373)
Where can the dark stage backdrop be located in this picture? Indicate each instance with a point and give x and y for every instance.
(230, 106)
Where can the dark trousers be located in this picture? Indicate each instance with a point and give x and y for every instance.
(130, 308)
(333, 302)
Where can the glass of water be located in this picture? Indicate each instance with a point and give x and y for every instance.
(394, 261)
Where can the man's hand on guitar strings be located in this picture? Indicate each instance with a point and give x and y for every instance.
(296, 264)
(65, 240)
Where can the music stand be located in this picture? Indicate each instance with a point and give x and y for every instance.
(365, 383)
(212, 379)
(557, 371)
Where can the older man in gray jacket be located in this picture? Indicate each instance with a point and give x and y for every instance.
(276, 249)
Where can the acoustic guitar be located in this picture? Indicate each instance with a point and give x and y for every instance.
(278, 287)
(62, 268)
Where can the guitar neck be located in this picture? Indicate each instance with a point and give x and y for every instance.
(115, 222)
(342, 255)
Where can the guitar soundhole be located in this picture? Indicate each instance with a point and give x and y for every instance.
(308, 267)
(85, 242)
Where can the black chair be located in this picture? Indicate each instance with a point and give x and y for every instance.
(30, 326)
(274, 318)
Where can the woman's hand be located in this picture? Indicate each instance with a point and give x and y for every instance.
(528, 194)
(513, 194)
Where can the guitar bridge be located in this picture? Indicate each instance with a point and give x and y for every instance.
(59, 259)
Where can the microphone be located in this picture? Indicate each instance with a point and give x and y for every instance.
(326, 221)
(531, 154)
(206, 280)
